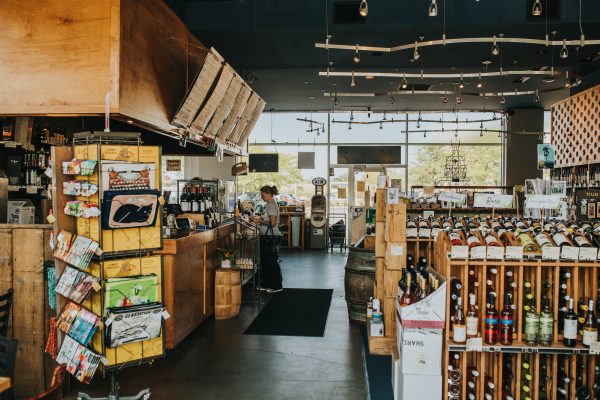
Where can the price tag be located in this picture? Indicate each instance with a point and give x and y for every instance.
(550, 253)
(514, 253)
(542, 201)
(490, 200)
(412, 232)
(435, 232)
(51, 218)
(10, 144)
(475, 344)
(13, 188)
(396, 250)
(31, 189)
(478, 252)
(595, 348)
(454, 197)
(96, 286)
(425, 232)
(99, 251)
(459, 252)
(166, 314)
(570, 253)
(495, 252)
(392, 196)
(588, 253)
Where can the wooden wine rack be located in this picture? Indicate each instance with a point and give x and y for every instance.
(582, 283)
(575, 129)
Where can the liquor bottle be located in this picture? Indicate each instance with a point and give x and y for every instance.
(472, 318)
(570, 327)
(489, 386)
(407, 296)
(532, 325)
(491, 320)
(582, 309)
(506, 321)
(590, 326)
(459, 329)
(411, 223)
(183, 200)
(472, 239)
(546, 323)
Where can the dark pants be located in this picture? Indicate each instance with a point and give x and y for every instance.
(269, 264)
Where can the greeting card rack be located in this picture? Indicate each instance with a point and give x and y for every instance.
(128, 275)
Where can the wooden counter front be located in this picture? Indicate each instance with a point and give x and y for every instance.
(189, 280)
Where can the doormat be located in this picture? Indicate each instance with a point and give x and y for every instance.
(294, 312)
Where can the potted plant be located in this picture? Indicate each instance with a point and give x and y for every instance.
(226, 256)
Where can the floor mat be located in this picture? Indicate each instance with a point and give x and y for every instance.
(378, 372)
(294, 312)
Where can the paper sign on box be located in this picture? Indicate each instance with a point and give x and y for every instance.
(421, 350)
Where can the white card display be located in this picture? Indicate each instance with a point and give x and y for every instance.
(538, 201)
(514, 253)
(588, 254)
(454, 197)
(570, 253)
(495, 252)
(550, 253)
(478, 252)
(461, 252)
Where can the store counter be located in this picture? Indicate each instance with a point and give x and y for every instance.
(189, 279)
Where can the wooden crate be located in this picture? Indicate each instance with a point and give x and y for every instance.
(379, 345)
(389, 317)
(421, 247)
(23, 251)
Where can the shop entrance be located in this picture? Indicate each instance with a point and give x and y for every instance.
(352, 188)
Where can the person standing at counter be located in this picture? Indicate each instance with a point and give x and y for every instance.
(270, 237)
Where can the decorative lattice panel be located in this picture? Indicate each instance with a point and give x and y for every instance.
(576, 129)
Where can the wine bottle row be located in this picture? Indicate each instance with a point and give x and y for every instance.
(199, 199)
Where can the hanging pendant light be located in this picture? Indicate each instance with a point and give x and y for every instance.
(536, 98)
(536, 10)
(356, 57)
(567, 82)
(445, 98)
(495, 48)
(404, 82)
(363, 9)
(433, 9)
(502, 100)
(353, 81)
(458, 99)
(461, 84)
(480, 82)
(564, 52)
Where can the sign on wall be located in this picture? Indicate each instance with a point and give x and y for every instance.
(174, 165)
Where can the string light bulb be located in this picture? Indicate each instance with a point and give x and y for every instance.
(445, 98)
(433, 9)
(461, 84)
(363, 9)
(536, 10)
(495, 47)
(404, 82)
(480, 82)
(567, 81)
(356, 57)
(564, 52)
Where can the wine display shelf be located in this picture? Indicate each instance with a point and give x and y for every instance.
(554, 279)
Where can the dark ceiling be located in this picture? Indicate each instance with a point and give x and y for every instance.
(271, 43)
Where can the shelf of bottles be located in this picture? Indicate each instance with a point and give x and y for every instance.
(527, 325)
(198, 196)
(578, 177)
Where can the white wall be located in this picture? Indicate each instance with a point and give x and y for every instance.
(208, 168)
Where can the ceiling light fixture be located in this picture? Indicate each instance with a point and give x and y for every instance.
(351, 115)
(536, 10)
(336, 101)
(356, 57)
(461, 84)
(404, 82)
(416, 54)
(363, 9)
(564, 52)
(502, 100)
(495, 48)
(445, 98)
(536, 98)
(458, 99)
(353, 81)
(433, 9)
(480, 82)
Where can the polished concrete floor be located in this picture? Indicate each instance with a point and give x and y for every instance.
(218, 361)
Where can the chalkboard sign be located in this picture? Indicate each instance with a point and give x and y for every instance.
(263, 162)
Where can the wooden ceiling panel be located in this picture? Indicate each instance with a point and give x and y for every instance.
(224, 108)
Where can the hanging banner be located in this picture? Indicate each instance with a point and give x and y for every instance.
(545, 156)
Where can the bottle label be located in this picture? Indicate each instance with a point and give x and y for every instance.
(542, 240)
(559, 238)
(459, 333)
(532, 323)
(454, 236)
(506, 322)
(491, 321)
(590, 336)
(472, 326)
(473, 240)
(546, 325)
(581, 241)
(491, 239)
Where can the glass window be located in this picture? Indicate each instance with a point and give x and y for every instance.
(285, 128)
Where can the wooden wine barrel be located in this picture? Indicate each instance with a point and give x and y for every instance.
(358, 282)
(228, 293)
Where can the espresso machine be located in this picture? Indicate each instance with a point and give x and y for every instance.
(318, 216)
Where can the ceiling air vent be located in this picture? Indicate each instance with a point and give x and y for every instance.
(346, 12)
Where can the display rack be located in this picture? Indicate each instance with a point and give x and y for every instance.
(492, 361)
(247, 247)
(123, 252)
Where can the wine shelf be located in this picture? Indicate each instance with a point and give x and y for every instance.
(520, 347)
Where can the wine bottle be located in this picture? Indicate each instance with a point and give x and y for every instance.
(407, 296)
(183, 200)
(473, 239)
(459, 329)
(472, 319)
(590, 327)
(506, 321)
(491, 320)
(570, 327)
(546, 323)
(532, 325)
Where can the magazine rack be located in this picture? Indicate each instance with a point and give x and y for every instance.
(114, 392)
